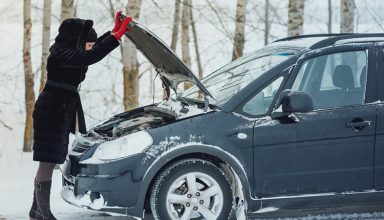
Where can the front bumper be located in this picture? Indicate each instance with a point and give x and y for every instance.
(111, 187)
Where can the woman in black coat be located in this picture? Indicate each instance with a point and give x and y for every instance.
(58, 106)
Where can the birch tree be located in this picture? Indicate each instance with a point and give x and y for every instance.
(130, 62)
(295, 17)
(330, 14)
(45, 42)
(176, 24)
(185, 23)
(67, 9)
(347, 13)
(266, 22)
(238, 41)
(196, 43)
(28, 77)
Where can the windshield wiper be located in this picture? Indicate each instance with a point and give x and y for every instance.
(197, 101)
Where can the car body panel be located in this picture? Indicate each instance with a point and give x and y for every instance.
(379, 149)
(195, 131)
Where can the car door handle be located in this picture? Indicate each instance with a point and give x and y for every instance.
(358, 125)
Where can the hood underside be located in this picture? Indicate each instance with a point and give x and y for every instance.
(167, 64)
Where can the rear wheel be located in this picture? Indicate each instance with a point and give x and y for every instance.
(191, 189)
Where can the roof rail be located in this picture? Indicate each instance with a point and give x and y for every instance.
(332, 40)
(311, 35)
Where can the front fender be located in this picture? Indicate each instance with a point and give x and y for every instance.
(181, 150)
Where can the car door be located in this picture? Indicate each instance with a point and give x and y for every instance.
(335, 142)
(269, 134)
(331, 148)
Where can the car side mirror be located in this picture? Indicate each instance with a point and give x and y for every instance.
(293, 102)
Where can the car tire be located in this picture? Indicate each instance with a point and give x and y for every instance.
(172, 198)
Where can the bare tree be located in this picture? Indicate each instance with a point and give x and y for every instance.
(185, 23)
(330, 16)
(67, 9)
(196, 43)
(238, 41)
(176, 24)
(266, 22)
(45, 41)
(347, 13)
(295, 17)
(130, 62)
(28, 77)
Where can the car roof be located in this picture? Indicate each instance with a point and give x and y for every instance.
(316, 41)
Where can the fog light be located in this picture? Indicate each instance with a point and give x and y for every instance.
(97, 200)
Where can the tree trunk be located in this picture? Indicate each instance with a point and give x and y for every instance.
(194, 32)
(185, 22)
(28, 77)
(295, 17)
(176, 24)
(130, 63)
(67, 9)
(45, 41)
(347, 13)
(266, 22)
(330, 16)
(238, 41)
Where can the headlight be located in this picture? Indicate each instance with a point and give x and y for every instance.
(120, 148)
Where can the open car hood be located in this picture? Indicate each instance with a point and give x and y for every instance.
(167, 64)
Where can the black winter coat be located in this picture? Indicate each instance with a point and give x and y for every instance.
(54, 115)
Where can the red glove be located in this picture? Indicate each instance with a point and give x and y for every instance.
(123, 28)
(117, 22)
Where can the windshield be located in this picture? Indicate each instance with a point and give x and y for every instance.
(230, 79)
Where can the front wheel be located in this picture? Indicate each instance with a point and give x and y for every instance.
(191, 189)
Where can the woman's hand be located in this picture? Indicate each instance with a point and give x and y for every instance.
(118, 22)
(123, 28)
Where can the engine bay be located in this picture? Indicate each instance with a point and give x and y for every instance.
(130, 122)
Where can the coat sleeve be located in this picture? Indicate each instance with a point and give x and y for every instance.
(102, 37)
(76, 57)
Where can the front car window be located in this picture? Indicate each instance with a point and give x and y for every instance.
(334, 80)
(261, 102)
(229, 80)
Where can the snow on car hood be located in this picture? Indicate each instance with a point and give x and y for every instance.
(166, 63)
(180, 110)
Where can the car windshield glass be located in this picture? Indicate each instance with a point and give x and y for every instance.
(230, 79)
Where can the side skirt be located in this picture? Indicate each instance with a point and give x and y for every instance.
(366, 201)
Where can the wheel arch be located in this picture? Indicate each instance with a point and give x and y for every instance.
(213, 154)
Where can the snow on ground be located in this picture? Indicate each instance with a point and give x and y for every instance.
(16, 184)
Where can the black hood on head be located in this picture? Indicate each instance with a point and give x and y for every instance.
(92, 36)
(73, 32)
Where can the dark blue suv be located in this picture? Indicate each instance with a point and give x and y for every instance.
(297, 124)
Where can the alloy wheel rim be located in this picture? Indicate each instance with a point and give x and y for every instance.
(194, 195)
